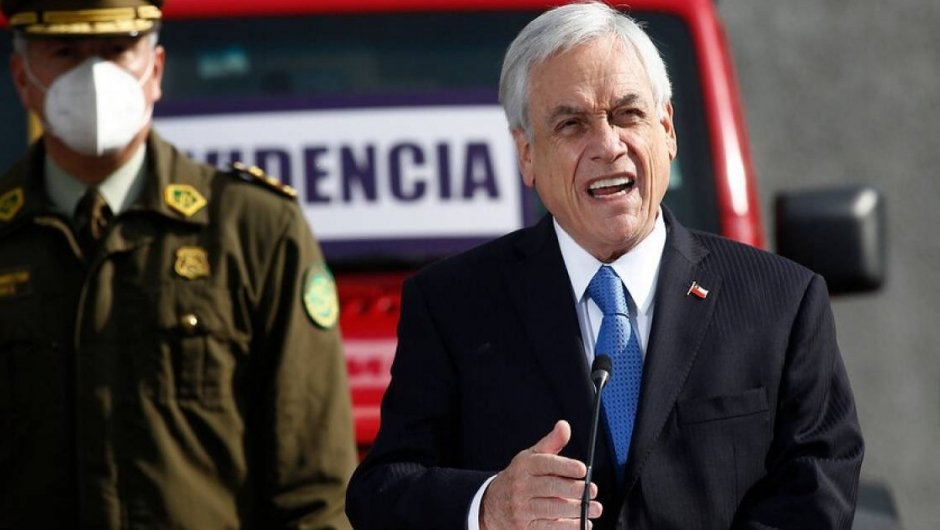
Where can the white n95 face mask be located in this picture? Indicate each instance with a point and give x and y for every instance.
(97, 107)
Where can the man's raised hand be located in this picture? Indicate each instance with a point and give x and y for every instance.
(539, 489)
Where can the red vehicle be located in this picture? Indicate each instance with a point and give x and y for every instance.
(384, 115)
(271, 72)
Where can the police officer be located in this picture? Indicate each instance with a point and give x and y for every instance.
(169, 356)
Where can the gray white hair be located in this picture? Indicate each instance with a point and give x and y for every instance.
(562, 29)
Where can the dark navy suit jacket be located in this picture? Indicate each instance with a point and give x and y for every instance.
(746, 418)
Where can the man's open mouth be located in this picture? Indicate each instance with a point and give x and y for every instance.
(610, 186)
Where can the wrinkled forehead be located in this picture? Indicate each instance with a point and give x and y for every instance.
(606, 58)
(604, 52)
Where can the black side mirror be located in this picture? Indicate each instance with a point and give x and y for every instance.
(837, 232)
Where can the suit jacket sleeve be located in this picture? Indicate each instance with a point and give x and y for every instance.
(815, 459)
(409, 479)
(302, 429)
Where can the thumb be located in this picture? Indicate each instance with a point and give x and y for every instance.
(554, 441)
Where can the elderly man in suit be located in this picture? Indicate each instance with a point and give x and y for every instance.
(729, 406)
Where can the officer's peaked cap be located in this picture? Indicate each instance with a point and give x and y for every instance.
(80, 18)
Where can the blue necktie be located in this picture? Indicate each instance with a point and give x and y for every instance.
(617, 339)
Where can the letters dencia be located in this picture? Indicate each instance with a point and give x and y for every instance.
(405, 171)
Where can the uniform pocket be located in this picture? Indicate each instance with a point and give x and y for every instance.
(24, 359)
(19, 336)
(6, 416)
(197, 345)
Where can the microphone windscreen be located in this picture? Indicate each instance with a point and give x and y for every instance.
(602, 362)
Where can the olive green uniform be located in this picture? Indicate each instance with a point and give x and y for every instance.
(188, 375)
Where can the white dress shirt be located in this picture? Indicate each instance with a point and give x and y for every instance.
(638, 269)
(119, 189)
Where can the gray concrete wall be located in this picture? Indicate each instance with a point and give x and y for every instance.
(839, 92)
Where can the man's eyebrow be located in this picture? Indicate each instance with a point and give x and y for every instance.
(628, 100)
(563, 110)
(569, 110)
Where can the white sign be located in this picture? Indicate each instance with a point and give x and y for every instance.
(375, 173)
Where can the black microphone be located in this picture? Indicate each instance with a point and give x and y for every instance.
(601, 372)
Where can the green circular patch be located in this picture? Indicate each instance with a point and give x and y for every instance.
(319, 296)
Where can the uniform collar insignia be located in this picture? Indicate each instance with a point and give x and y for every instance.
(11, 203)
(183, 198)
(177, 187)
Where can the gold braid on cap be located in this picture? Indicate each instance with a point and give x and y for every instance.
(88, 21)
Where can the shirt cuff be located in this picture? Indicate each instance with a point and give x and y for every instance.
(473, 515)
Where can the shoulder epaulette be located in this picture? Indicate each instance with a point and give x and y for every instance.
(257, 175)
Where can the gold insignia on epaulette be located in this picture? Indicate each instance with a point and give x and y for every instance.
(10, 204)
(289, 191)
(258, 175)
(14, 283)
(319, 296)
(192, 262)
(184, 198)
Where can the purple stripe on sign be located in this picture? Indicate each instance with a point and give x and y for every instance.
(171, 108)
(407, 249)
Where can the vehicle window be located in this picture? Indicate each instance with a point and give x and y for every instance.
(404, 60)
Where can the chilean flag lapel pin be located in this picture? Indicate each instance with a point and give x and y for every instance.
(697, 290)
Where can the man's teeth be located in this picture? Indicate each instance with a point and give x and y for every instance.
(606, 183)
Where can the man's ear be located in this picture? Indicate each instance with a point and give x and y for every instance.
(20, 80)
(524, 152)
(156, 77)
(670, 130)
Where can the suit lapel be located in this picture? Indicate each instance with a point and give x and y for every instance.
(679, 324)
(537, 278)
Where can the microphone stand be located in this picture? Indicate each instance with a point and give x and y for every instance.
(599, 376)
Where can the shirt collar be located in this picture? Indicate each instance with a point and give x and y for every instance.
(638, 269)
(119, 189)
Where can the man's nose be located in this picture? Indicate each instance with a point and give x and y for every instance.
(608, 145)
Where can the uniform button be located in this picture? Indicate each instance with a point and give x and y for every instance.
(189, 322)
